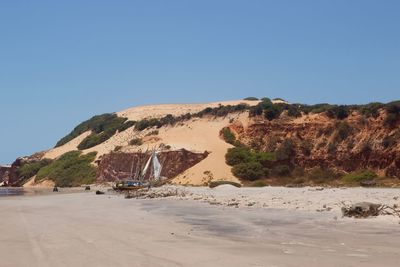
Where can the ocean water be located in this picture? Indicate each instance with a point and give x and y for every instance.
(19, 191)
(11, 191)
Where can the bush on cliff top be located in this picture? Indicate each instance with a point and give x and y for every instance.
(102, 127)
(71, 169)
(251, 98)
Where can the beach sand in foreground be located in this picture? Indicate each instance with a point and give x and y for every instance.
(83, 229)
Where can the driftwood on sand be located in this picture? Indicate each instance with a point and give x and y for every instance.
(367, 209)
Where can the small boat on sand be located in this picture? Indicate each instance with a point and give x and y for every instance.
(138, 180)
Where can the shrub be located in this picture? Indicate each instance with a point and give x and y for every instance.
(93, 140)
(272, 112)
(147, 123)
(249, 170)
(286, 150)
(154, 132)
(298, 172)
(359, 176)
(266, 100)
(251, 98)
(371, 109)
(366, 148)
(306, 148)
(136, 142)
(393, 114)
(229, 137)
(248, 164)
(71, 169)
(321, 175)
(29, 170)
(281, 170)
(242, 154)
(338, 112)
(293, 111)
(117, 148)
(259, 184)
(343, 130)
(106, 123)
(237, 155)
(318, 108)
(256, 111)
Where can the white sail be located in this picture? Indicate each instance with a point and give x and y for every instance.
(146, 167)
(156, 167)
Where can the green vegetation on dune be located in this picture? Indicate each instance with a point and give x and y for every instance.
(393, 117)
(71, 169)
(248, 164)
(29, 170)
(359, 176)
(136, 142)
(102, 127)
(251, 98)
(228, 136)
(170, 120)
(340, 112)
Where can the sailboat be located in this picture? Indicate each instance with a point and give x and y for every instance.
(138, 181)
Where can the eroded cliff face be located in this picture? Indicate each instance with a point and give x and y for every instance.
(345, 145)
(11, 175)
(4, 174)
(120, 166)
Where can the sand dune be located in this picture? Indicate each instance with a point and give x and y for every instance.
(196, 135)
(72, 145)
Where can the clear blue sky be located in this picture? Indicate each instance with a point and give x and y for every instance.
(63, 61)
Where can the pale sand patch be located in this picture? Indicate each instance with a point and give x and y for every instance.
(43, 184)
(156, 111)
(309, 199)
(70, 146)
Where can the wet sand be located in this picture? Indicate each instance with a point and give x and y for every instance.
(83, 229)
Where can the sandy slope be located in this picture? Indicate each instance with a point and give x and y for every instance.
(44, 184)
(72, 145)
(197, 135)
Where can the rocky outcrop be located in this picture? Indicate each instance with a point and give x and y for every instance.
(13, 176)
(120, 166)
(4, 174)
(346, 145)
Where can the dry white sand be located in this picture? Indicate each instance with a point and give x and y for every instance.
(83, 229)
(310, 199)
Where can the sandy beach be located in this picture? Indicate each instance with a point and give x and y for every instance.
(84, 229)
